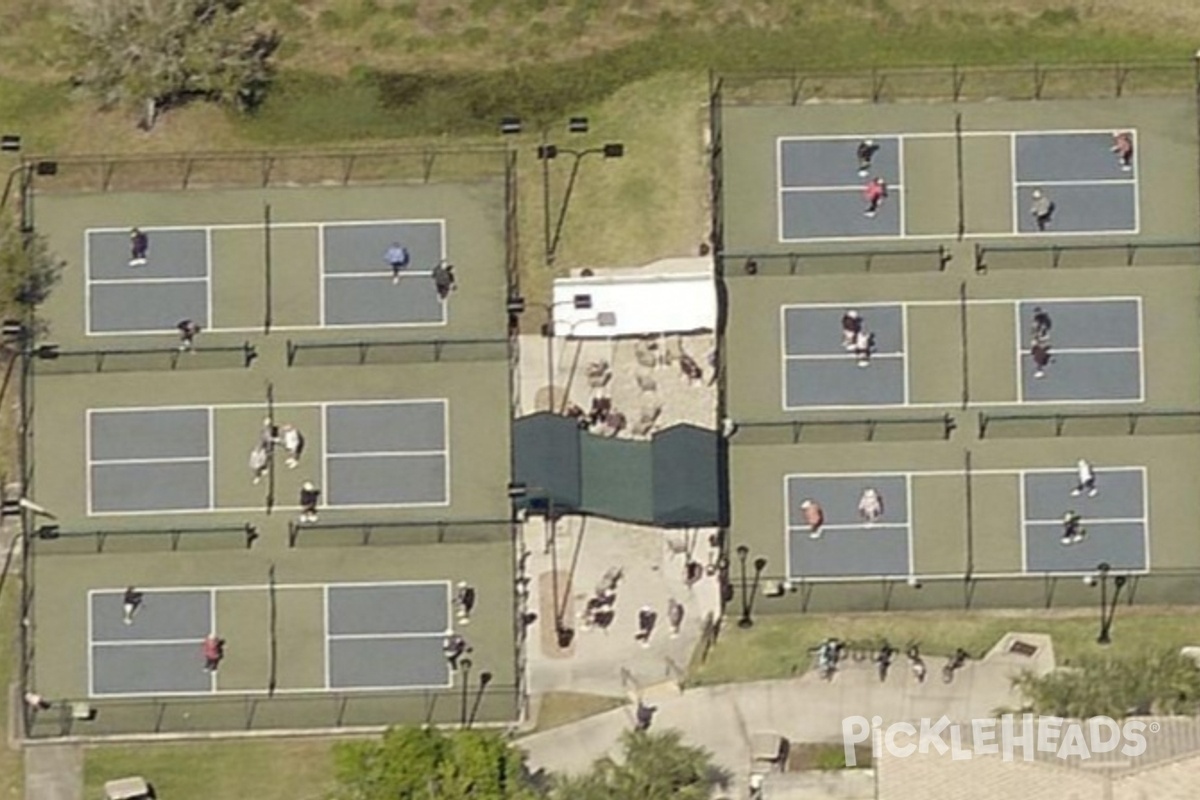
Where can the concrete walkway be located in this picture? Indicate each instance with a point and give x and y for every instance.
(54, 772)
(805, 709)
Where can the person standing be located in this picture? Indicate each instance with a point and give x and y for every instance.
(1123, 147)
(1042, 209)
(675, 613)
(852, 325)
(310, 497)
(870, 506)
(1040, 352)
(293, 444)
(814, 517)
(864, 343)
(1073, 530)
(1041, 324)
(443, 279)
(454, 647)
(131, 602)
(646, 620)
(866, 151)
(397, 258)
(875, 193)
(464, 602)
(1087, 479)
(187, 334)
(260, 462)
(214, 651)
(139, 248)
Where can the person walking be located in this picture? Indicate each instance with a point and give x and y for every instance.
(139, 248)
(814, 517)
(397, 258)
(131, 602)
(864, 344)
(917, 664)
(293, 444)
(1040, 330)
(443, 279)
(865, 152)
(214, 650)
(1123, 147)
(675, 616)
(310, 497)
(1087, 479)
(454, 647)
(1042, 209)
(1073, 530)
(870, 505)
(464, 602)
(875, 193)
(260, 462)
(187, 334)
(646, 620)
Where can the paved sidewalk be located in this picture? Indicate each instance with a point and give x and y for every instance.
(54, 772)
(805, 709)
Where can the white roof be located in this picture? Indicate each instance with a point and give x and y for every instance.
(635, 305)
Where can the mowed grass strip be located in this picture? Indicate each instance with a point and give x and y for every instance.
(12, 771)
(779, 646)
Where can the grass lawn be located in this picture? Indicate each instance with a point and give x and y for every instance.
(295, 769)
(561, 708)
(11, 770)
(778, 646)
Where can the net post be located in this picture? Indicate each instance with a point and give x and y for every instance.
(983, 424)
(1059, 422)
(293, 533)
(980, 261)
(1133, 420)
(948, 426)
(251, 535)
(249, 353)
(292, 348)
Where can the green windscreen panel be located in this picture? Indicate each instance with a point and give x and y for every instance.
(547, 460)
(688, 469)
(618, 478)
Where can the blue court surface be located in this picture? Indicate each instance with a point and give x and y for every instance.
(820, 189)
(848, 545)
(173, 285)
(1095, 348)
(148, 461)
(377, 636)
(1081, 176)
(1116, 520)
(818, 371)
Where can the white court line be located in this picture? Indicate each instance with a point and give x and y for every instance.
(208, 278)
(1145, 511)
(212, 461)
(136, 281)
(904, 356)
(971, 302)
(1087, 182)
(1102, 521)
(278, 328)
(992, 133)
(384, 454)
(147, 642)
(1137, 186)
(1024, 525)
(1012, 175)
(1091, 350)
(900, 203)
(1141, 332)
(325, 630)
(779, 188)
(370, 584)
(955, 473)
(379, 274)
(959, 576)
(91, 634)
(245, 406)
(857, 187)
(862, 527)
(148, 461)
(1020, 331)
(847, 356)
(950, 238)
(911, 517)
(321, 280)
(958, 404)
(354, 637)
(258, 226)
(446, 444)
(325, 453)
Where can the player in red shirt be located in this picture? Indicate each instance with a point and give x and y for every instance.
(875, 192)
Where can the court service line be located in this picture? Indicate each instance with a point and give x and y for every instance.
(971, 134)
(1086, 350)
(847, 356)
(208, 278)
(354, 637)
(386, 454)
(1023, 575)
(212, 461)
(900, 201)
(1018, 329)
(1019, 472)
(151, 281)
(974, 404)
(971, 302)
(1081, 182)
(324, 423)
(263, 587)
(91, 637)
(904, 351)
(379, 274)
(325, 630)
(951, 237)
(1146, 511)
(1141, 331)
(280, 328)
(863, 527)
(148, 461)
(145, 642)
(1022, 510)
(856, 187)
(258, 405)
(258, 226)
(325, 506)
(1012, 172)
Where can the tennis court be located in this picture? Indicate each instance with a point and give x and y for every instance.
(847, 546)
(144, 453)
(184, 266)
(377, 636)
(821, 183)
(1096, 354)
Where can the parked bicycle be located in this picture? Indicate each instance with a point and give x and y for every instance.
(955, 663)
(884, 658)
(915, 663)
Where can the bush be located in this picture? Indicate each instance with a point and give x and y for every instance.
(1152, 683)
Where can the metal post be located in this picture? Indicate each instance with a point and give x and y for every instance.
(552, 247)
(543, 153)
(759, 565)
(745, 622)
(1103, 637)
(465, 665)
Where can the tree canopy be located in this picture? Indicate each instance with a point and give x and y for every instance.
(28, 270)
(428, 764)
(161, 53)
(652, 766)
(1147, 683)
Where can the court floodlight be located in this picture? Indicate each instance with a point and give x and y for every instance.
(47, 168)
(510, 126)
(614, 150)
(13, 330)
(10, 143)
(46, 352)
(606, 319)
(577, 125)
(516, 305)
(516, 491)
(582, 302)
(547, 152)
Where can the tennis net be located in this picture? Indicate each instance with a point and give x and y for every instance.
(485, 531)
(740, 265)
(50, 360)
(1068, 256)
(50, 540)
(1088, 423)
(817, 431)
(301, 354)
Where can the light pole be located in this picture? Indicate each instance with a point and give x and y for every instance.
(580, 302)
(743, 553)
(465, 664)
(517, 491)
(1108, 610)
(547, 152)
(484, 679)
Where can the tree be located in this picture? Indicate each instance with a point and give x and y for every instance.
(1146, 683)
(653, 766)
(28, 270)
(427, 764)
(158, 54)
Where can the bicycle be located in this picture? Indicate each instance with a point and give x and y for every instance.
(955, 663)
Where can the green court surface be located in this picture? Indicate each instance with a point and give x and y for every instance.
(143, 451)
(949, 289)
